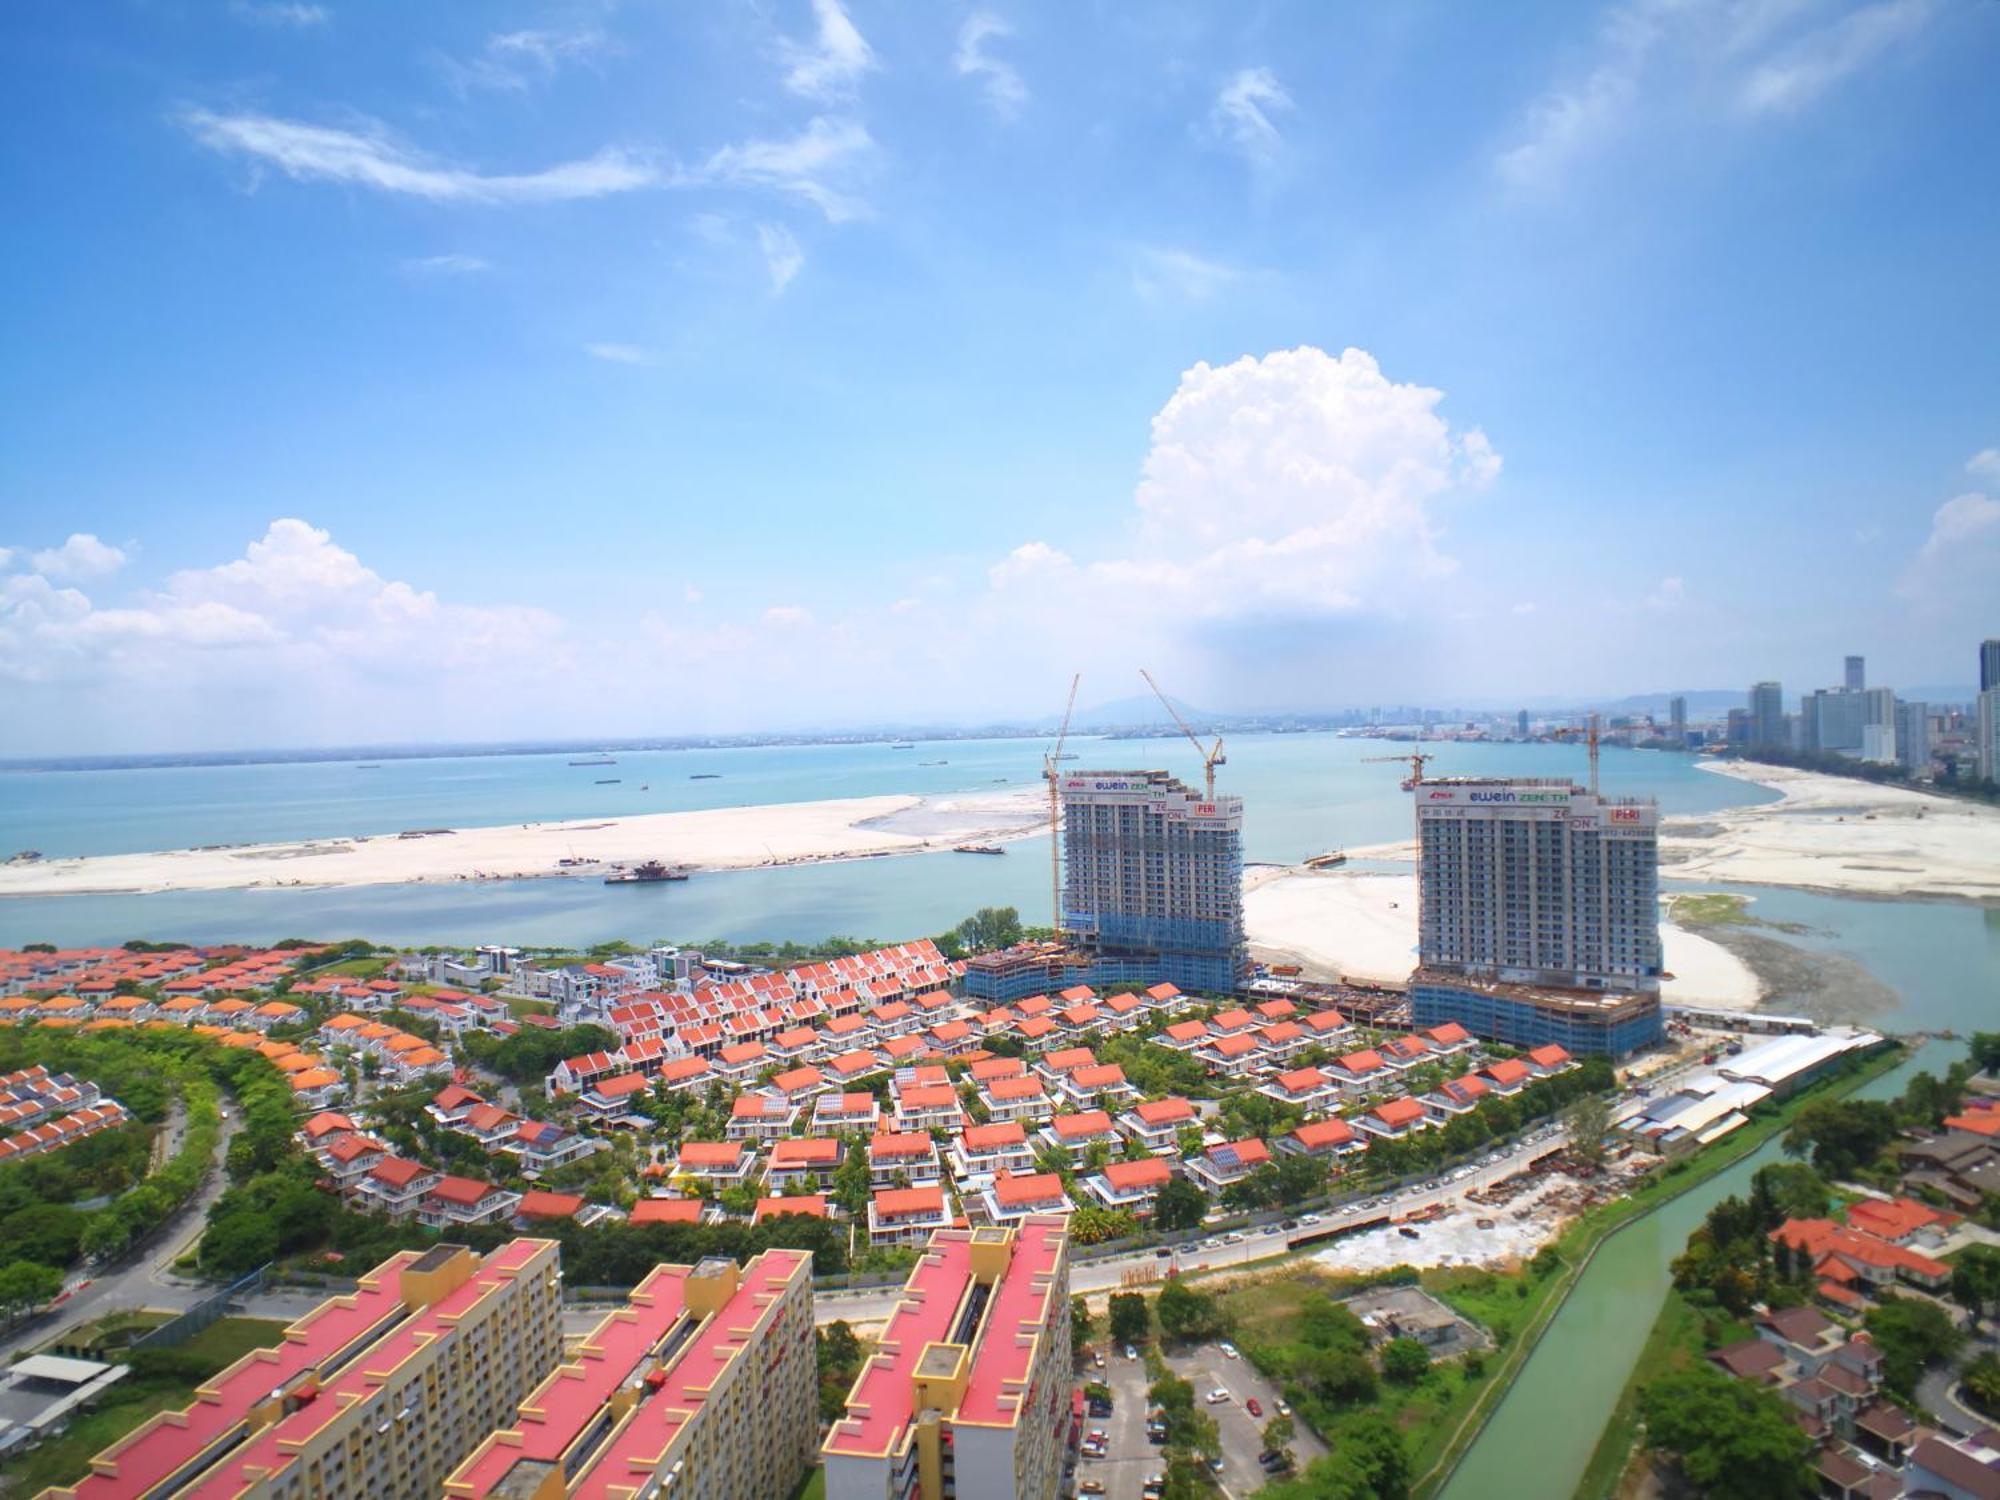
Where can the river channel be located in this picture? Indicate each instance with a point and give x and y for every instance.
(1540, 1439)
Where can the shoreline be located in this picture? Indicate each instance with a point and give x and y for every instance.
(736, 838)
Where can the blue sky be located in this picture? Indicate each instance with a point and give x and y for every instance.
(390, 371)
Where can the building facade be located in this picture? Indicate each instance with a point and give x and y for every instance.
(379, 1392)
(1767, 716)
(1538, 913)
(1153, 879)
(967, 1395)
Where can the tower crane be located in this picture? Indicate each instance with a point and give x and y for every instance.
(1210, 758)
(1416, 760)
(1052, 774)
(1590, 735)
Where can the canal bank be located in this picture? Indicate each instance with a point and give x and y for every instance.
(1538, 1440)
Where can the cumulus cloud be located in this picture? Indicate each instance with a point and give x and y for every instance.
(82, 556)
(782, 256)
(1985, 464)
(833, 62)
(1005, 91)
(293, 606)
(1951, 576)
(1243, 113)
(369, 156)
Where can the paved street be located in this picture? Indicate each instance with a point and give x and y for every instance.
(1208, 1369)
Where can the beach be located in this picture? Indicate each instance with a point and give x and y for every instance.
(1358, 925)
(714, 839)
(1832, 833)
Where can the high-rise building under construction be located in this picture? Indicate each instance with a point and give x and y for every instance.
(1152, 885)
(1538, 918)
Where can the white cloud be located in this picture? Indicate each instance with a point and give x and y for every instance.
(291, 612)
(1985, 464)
(1692, 65)
(1951, 576)
(446, 265)
(1005, 91)
(1671, 594)
(1243, 110)
(620, 354)
(281, 13)
(514, 61)
(788, 617)
(370, 157)
(832, 63)
(818, 165)
(1525, 607)
(82, 556)
(1815, 62)
(1179, 274)
(782, 256)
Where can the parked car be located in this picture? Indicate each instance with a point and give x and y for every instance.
(1130, 1352)
(1217, 1396)
(1308, 1218)
(1228, 1349)
(1253, 1407)
(1090, 1487)
(1284, 1408)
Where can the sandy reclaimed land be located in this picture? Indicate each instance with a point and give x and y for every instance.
(1339, 923)
(1831, 833)
(717, 839)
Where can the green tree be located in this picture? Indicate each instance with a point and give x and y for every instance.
(1731, 1440)
(1131, 1322)
(1179, 1205)
(1788, 1190)
(1975, 1280)
(1405, 1361)
(1911, 1333)
(1986, 1051)
(238, 1242)
(1080, 1324)
(1589, 1122)
(850, 1178)
(1842, 1135)
(1278, 1434)
(990, 927)
(1980, 1380)
(1186, 1315)
(24, 1285)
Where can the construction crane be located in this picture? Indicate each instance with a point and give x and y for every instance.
(1210, 758)
(1590, 735)
(1416, 760)
(1052, 774)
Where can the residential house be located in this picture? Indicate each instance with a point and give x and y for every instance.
(1074, 1135)
(1225, 1165)
(847, 1112)
(1130, 1185)
(987, 1150)
(803, 1162)
(717, 1165)
(454, 1202)
(1394, 1117)
(907, 1216)
(761, 1117)
(1012, 1196)
(913, 1156)
(1324, 1138)
(1157, 1124)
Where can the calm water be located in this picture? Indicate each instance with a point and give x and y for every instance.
(1304, 792)
(1541, 1438)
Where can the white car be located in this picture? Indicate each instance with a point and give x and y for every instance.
(1308, 1218)
(1228, 1349)
(1217, 1396)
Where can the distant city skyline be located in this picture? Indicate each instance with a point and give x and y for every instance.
(410, 374)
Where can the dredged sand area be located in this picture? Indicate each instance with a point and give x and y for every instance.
(717, 839)
(1358, 925)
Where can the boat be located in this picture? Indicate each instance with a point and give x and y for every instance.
(376, 767)
(904, 746)
(652, 872)
(600, 759)
(608, 781)
(706, 776)
(977, 849)
(1326, 861)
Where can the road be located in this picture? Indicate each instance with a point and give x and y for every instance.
(143, 1279)
(1267, 1242)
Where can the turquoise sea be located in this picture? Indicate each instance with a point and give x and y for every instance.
(1303, 794)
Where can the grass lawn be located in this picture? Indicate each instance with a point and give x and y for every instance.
(355, 968)
(115, 1330)
(813, 1486)
(519, 1006)
(129, 1403)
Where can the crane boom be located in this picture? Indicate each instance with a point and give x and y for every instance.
(1590, 735)
(1210, 758)
(1051, 774)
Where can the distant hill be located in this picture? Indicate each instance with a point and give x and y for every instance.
(1139, 712)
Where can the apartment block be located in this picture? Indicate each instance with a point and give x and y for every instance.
(968, 1393)
(702, 1384)
(378, 1392)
